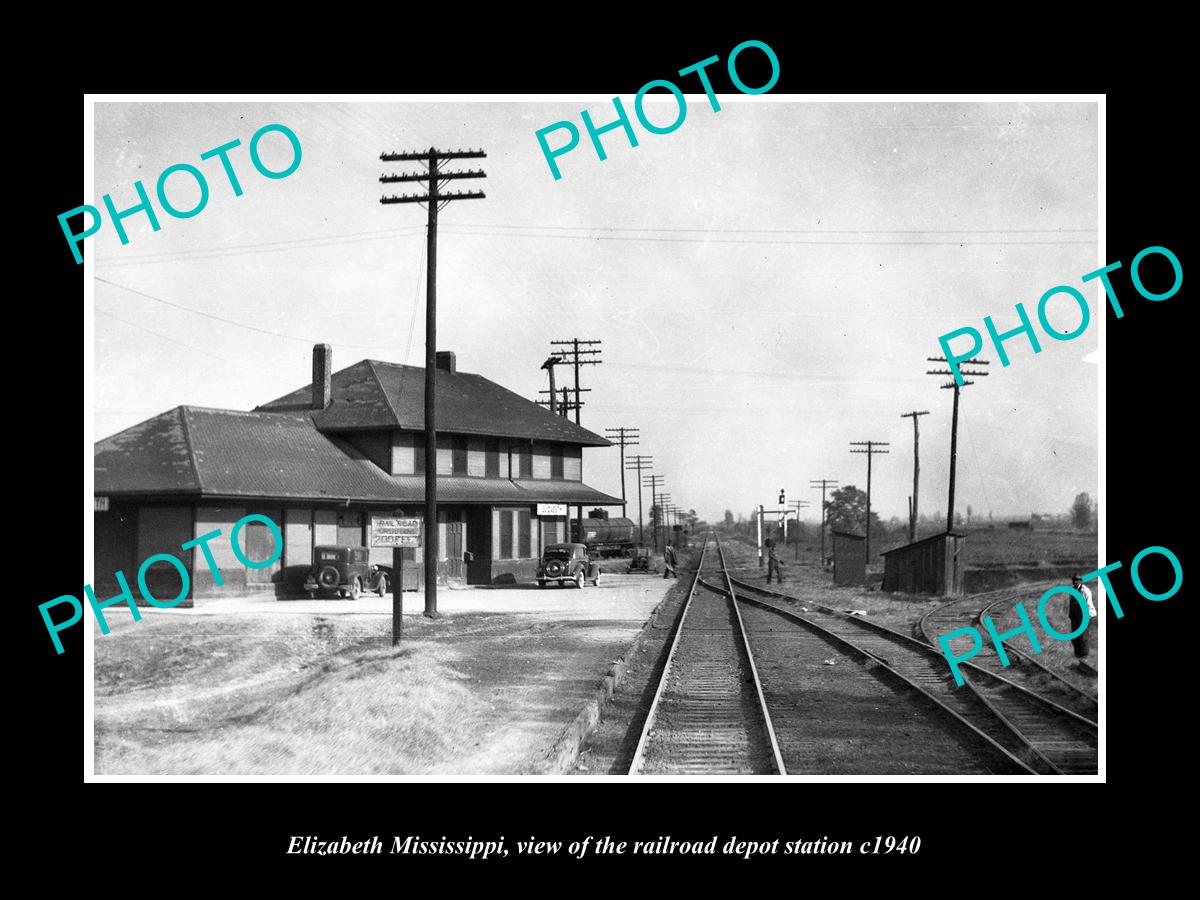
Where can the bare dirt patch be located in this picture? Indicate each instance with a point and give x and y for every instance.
(302, 694)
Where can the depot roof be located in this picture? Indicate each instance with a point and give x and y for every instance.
(375, 394)
(195, 451)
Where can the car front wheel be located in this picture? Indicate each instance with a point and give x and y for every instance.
(579, 579)
(355, 588)
(383, 586)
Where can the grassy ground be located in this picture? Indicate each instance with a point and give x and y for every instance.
(984, 547)
(301, 694)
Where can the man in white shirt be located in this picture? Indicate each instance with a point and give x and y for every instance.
(1076, 614)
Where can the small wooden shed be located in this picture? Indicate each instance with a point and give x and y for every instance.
(849, 558)
(932, 565)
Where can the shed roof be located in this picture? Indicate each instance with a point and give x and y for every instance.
(375, 394)
(926, 540)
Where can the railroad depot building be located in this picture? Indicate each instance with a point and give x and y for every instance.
(327, 459)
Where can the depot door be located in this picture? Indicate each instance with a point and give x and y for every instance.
(479, 546)
(455, 536)
(259, 544)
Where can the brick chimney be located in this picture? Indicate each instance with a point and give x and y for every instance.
(447, 362)
(322, 381)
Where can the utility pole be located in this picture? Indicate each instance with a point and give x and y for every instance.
(637, 464)
(434, 199)
(870, 451)
(574, 355)
(626, 437)
(912, 508)
(955, 386)
(798, 505)
(822, 484)
(663, 500)
(655, 482)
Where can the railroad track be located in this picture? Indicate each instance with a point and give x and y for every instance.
(1042, 736)
(708, 715)
(1024, 668)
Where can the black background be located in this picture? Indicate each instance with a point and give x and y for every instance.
(212, 830)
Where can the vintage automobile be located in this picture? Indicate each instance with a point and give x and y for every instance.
(567, 563)
(345, 571)
(640, 561)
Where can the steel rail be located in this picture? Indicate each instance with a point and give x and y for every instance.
(926, 626)
(877, 661)
(638, 755)
(762, 701)
(1031, 698)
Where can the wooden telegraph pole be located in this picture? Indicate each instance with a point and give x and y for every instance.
(574, 355)
(433, 199)
(955, 386)
(638, 464)
(912, 509)
(626, 437)
(870, 451)
(655, 482)
(822, 484)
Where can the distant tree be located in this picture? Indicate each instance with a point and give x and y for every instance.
(958, 519)
(846, 510)
(728, 518)
(969, 511)
(1081, 510)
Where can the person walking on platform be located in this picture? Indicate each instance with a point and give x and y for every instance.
(773, 564)
(670, 561)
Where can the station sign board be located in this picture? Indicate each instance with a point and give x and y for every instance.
(390, 531)
(552, 509)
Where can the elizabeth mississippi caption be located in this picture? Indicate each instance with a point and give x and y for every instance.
(471, 848)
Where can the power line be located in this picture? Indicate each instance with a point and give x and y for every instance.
(289, 337)
(229, 362)
(265, 247)
(705, 240)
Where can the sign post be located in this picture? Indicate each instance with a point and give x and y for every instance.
(396, 533)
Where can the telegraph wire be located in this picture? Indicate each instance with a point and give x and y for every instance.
(255, 328)
(266, 247)
(172, 340)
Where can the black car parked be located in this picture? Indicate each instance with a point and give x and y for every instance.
(347, 571)
(567, 563)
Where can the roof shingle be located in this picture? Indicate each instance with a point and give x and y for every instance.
(374, 394)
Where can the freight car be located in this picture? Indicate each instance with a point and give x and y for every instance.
(606, 536)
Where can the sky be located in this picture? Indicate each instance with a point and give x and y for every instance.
(767, 280)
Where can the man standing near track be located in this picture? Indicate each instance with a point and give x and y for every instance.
(670, 561)
(1076, 613)
(773, 563)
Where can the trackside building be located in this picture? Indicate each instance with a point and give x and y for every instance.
(324, 462)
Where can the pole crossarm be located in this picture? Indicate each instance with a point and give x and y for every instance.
(449, 195)
(424, 155)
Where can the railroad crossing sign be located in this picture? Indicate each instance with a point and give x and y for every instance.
(395, 532)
